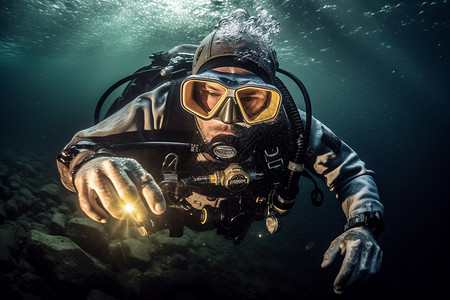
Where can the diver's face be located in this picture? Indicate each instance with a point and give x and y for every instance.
(211, 128)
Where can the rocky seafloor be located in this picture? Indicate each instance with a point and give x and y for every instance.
(50, 250)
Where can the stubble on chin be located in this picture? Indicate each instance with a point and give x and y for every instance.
(212, 128)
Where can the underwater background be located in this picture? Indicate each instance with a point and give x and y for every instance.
(377, 73)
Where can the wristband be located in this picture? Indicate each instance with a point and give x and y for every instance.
(371, 220)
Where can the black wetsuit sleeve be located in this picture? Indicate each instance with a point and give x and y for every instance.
(142, 115)
(340, 167)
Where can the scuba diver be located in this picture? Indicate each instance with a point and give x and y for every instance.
(209, 137)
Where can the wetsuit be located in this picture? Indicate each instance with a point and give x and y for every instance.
(156, 116)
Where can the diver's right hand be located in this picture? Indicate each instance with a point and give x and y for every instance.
(110, 184)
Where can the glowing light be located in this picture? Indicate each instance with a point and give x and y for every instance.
(260, 235)
(129, 208)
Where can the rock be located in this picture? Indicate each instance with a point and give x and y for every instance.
(118, 253)
(139, 252)
(11, 209)
(130, 281)
(25, 192)
(130, 253)
(15, 182)
(22, 227)
(25, 266)
(64, 209)
(71, 201)
(49, 190)
(168, 245)
(39, 227)
(42, 205)
(89, 235)
(180, 277)
(42, 217)
(178, 261)
(4, 170)
(15, 185)
(3, 215)
(26, 169)
(5, 192)
(119, 230)
(8, 244)
(98, 295)
(24, 199)
(57, 224)
(65, 262)
(31, 282)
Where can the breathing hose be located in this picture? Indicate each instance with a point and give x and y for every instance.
(301, 136)
(105, 95)
(290, 180)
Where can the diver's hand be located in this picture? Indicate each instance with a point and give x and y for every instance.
(362, 257)
(108, 184)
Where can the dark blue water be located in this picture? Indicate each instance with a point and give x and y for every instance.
(377, 74)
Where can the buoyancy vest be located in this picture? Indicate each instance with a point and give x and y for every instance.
(230, 207)
(276, 151)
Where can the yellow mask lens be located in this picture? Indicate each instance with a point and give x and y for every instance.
(258, 104)
(205, 98)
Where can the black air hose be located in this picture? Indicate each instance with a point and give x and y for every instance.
(105, 95)
(306, 99)
(298, 142)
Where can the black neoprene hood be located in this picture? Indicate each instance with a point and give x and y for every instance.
(246, 52)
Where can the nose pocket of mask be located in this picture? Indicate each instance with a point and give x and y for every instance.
(228, 113)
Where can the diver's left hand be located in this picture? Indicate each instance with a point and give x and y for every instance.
(362, 257)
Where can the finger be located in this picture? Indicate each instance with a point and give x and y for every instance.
(88, 202)
(126, 189)
(361, 272)
(331, 253)
(154, 197)
(136, 209)
(109, 198)
(376, 263)
(150, 190)
(351, 260)
(124, 186)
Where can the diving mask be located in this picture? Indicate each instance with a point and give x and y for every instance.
(230, 97)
